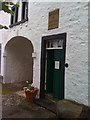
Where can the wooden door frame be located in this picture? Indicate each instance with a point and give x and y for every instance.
(43, 54)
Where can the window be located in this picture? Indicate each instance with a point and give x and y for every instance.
(23, 14)
(14, 17)
(24, 10)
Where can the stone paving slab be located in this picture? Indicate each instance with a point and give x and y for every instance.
(15, 106)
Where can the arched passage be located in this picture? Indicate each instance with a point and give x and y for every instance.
(18, 60)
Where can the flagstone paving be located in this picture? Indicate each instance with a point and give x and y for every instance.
(15, 105)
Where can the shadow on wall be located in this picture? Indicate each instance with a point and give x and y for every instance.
(18, 61)
(1, 79)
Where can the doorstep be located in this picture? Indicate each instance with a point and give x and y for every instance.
(46, 103)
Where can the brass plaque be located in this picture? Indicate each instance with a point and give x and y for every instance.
(53, 20)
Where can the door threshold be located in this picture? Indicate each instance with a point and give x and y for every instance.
(50, 98)
(47, 104)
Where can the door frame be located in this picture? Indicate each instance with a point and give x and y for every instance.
(43, 59)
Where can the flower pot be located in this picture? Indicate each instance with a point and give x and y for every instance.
(31, 94)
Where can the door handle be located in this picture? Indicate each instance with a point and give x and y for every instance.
(66, 65)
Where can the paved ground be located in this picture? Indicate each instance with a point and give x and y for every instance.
(16, 106)
(0, 102)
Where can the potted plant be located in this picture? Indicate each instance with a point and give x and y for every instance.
(30, 92)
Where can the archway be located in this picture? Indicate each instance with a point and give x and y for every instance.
(18, 61)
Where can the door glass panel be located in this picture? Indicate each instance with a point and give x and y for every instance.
(54, 44)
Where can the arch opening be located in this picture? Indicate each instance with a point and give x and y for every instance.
(18, 61)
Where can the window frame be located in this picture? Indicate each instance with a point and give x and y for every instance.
(22, 20)
(24, 10)
(14, 17)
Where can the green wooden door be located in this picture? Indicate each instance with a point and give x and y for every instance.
(54, 73)
(49, 72)
(58, 82)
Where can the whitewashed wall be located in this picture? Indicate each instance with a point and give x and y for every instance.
(73, 20)
(18, 60)
(89, 53)
(4, 20)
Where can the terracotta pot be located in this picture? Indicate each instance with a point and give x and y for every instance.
(31, 94)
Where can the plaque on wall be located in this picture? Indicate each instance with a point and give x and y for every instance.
(57, 64)
(53, 19)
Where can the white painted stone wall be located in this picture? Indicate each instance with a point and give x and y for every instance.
(18, 60)
(73, 19)
(4, 20)
(89, 53)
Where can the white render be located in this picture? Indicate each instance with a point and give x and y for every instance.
(73, 20)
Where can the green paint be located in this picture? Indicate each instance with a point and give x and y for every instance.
(49, 77)
(58, 75)
(54, 77)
